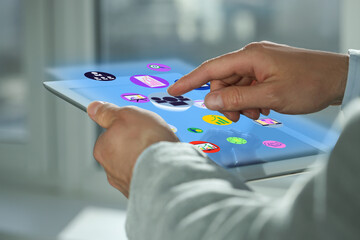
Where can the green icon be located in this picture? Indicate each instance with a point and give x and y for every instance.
(236, 140)
(195, 130)
(155, 66)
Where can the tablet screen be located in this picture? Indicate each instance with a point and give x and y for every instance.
(227, 143)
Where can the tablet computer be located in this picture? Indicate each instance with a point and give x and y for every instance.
(272, 145)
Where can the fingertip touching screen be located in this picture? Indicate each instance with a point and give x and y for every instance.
(246, 142)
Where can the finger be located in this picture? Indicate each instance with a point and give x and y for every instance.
(251, 113)
(233, 116)
(237, 98)
(102, 113)
(238, 62)
(234, 80)
(265, 111)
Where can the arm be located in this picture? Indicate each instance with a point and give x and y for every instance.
(177, 193)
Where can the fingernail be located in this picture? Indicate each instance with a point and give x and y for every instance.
(94, 107)
(214, 101)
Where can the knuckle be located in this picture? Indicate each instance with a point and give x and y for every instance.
(234, 100)
(273, 97)
(257, 47)
(97, 153)
(128, 110)
(127, 113)
(99, 149)
(253, 46)
(105, 113)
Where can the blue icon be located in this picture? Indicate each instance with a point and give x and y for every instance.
(206, 86)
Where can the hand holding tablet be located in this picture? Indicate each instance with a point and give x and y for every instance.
(270, 139)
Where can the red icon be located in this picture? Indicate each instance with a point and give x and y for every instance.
(206, 147)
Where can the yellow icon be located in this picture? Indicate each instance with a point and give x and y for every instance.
(216, 120)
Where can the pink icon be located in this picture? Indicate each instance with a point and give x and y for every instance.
(149, 81)
(267, 122)
(274, 144)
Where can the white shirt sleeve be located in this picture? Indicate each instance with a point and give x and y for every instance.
(352, 90)
(177, 193)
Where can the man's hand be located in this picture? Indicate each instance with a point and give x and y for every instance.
(264, 76)
(129, 131)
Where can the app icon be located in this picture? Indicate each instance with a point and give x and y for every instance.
(216, 120)
(206, 147)
(135, 97)
(206, 86)
(149, 81)
(195, 130)
(170, 103)
(274, 144)
(267, 122)
(100, 76)
(158, 67)
(200, 104)
(174, 129)
(236, 140)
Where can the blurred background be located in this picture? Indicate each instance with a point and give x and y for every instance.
(50, 185)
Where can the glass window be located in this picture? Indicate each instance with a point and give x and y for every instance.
(12, 84)
(198, 30)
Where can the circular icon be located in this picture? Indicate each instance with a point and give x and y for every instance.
(195, 130)
(217, 120)
(274, 144)
(200, 104)
(158, 67)
(100, 76)
(135, 97)
(170, 103)
(206, 86)
(174, 129)
(236, 140)
(206, 147)
(149, 81)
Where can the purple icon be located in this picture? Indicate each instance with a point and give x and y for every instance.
(135, 97)
(149, 81)
(100, 76)
(274, 144)
(158, 67)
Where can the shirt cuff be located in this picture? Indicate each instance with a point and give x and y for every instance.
(352, 90)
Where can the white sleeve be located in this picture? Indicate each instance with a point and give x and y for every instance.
(177, 193)
(352, 90)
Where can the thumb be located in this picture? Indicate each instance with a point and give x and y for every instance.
(237, 98)
(102, 113)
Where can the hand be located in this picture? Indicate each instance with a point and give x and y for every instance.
(265, 76)
(129, 131)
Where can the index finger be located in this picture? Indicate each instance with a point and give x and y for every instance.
(238, 62)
